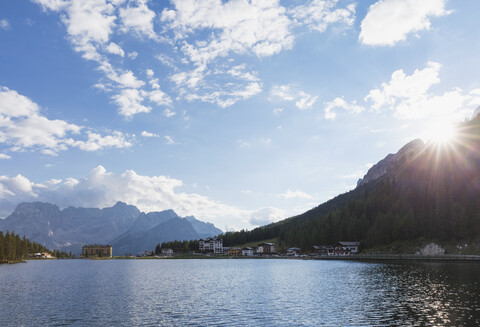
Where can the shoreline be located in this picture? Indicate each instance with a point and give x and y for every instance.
(359, 257)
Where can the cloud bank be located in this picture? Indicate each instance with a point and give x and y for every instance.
(391, 21)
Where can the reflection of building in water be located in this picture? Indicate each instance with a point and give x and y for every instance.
(97, 251)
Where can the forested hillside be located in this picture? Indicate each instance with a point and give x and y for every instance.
(433, 195)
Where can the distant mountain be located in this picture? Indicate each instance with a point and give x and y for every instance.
(70, 228)
(423, 192)
(138, 241)
(202, 228)
(124, 225)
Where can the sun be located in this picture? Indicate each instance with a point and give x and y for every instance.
(440, 132)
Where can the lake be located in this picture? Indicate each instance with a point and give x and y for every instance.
(241, 292)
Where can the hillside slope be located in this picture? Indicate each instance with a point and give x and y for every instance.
(429, 192)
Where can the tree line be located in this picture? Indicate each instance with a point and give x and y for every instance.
(15, 248)
(177, 246)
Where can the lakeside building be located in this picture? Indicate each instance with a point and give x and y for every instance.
(247, 252)
(234, 251)
(167, 251)
(293, 251)
(97, 251)
(147, 253)
(323, 250)
(44, 255)
(346, 248)
(213, 244)
(266, 248)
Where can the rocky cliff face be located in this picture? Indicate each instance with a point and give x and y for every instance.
(392, 161)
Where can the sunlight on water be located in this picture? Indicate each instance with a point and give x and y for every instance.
(238, 293)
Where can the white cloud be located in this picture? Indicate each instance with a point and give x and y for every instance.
(390, 21)
(295, 195)
(341, 103)
(261, 27)
(228, 96)
(5, 24)
(277, 111)
(138, 18)
(114, 48)
(159, 97)
(96, 142)
(130, 102)
(4, 156)
(90, 23)
(282, 91)
(101, 188)
(54, 5)
(302, 100)
(166, 60)
(267, 215)
(169, 140)
(150, 73)
(305, 100)
(221, 29)
(409, 96)
(23, 127)
(148, 134)
(169, 113)
(319, 14)
(132, 55)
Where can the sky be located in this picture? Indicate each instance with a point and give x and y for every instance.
(238, 112)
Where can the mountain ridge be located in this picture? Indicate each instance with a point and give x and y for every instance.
(70, 228)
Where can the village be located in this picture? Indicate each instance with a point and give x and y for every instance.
(214, 246)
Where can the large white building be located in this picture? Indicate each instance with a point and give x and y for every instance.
(214, 245)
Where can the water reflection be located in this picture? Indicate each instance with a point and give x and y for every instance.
(238, 293)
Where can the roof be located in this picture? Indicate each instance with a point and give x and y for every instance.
(210, 239)
(349, 243)
(270, 244)
(323, 246)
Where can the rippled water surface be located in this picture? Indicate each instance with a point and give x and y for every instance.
(246, 292)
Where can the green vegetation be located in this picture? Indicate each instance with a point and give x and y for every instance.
(15, 249)
(177, 246)
(431, 196)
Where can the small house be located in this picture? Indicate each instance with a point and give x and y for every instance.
(234, 251)
(346, 248)
(323, 250)
(293, 251)
(167, 251)
(247, 252)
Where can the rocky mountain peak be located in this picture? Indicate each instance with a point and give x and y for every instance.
(384, 166)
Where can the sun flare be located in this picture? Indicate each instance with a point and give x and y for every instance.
(440, 132)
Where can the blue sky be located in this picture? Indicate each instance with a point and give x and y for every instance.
(238, 112)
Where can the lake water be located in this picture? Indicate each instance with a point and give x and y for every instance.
(245, 292)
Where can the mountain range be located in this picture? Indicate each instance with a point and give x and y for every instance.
(123, 226)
